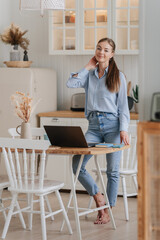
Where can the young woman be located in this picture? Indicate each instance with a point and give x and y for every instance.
(106, 109)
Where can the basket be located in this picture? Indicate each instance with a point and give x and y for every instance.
(18, 64)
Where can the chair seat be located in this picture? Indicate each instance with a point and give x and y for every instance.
(127, 172)
(48, 186)
(103, 170)
(121, 171)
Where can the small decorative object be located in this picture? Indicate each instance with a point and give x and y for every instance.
(136, 97)
(24, 110)
(25, 57)
(14, 36)
(41, 5)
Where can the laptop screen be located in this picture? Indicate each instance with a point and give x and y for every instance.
(66, 136)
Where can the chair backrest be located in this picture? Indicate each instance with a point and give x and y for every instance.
(129, 156)
(37, 133)
(16, 153)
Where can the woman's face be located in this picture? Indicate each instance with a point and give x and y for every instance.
(103, 52)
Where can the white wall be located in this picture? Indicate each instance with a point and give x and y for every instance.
(149, 61)
(38, 50)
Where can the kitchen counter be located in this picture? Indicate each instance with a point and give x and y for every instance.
(72, 114)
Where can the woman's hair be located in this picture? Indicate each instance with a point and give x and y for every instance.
(112, 79)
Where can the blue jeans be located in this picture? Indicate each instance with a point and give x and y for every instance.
(103, 127)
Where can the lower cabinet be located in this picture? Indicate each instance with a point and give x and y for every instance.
(149, 181)
(57, 166)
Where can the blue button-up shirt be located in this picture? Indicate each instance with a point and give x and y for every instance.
(99, 98)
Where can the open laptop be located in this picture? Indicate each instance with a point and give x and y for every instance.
(67, 136)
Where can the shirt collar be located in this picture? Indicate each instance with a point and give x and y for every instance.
(96, 71)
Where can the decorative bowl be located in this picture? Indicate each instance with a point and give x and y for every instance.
(18, 64)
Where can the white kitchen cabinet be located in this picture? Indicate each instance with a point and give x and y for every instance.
(77, 29)
(57, 166)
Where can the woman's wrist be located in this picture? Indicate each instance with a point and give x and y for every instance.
(88, 67)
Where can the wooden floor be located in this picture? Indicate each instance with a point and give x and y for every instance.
(125, 230)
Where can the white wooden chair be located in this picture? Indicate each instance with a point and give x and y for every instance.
(26, 182)
(3, 184)
(37, 133)
(128, 168)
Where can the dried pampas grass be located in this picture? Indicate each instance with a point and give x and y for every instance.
(23, 105)
(14, 36)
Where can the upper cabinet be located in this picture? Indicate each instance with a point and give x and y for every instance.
(77, 29)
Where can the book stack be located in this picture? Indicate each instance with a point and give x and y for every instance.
(109, 145)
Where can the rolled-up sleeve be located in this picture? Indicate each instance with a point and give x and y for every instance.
(80, 80)
(123, 110)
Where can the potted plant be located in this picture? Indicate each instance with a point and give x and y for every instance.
(136, 97)
(24, 109)
(14, 36)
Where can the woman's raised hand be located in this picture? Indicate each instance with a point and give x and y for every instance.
(91, 64)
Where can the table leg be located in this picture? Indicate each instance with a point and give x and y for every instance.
(73, 194)
(104, 190)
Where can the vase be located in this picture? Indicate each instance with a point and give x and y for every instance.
(136, 107)
(15, 53)
(25, 130)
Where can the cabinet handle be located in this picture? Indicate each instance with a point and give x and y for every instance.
(55, 119)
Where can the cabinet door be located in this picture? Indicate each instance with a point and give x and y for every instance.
(152, 177)
(63, 29)
(125, 25)
(55, 121)
(148, 181)
(57, 165)
(82, 122)
(96, 19)
(77, 29)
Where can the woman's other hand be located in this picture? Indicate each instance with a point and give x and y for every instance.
(91, 64)
(124, 137)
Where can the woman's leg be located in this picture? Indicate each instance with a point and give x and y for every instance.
(109, 128)
(84, 177)
(113, 163)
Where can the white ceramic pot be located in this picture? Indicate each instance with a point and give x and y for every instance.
(15, 53)
(136, 107)
(25, 130)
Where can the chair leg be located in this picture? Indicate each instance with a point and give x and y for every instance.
(49, 206)
(125, 197)
(43, 221)
(30, 214)
(1, 204)
(64, 211)
(20, 215)
(8, 219)
(134, 177)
